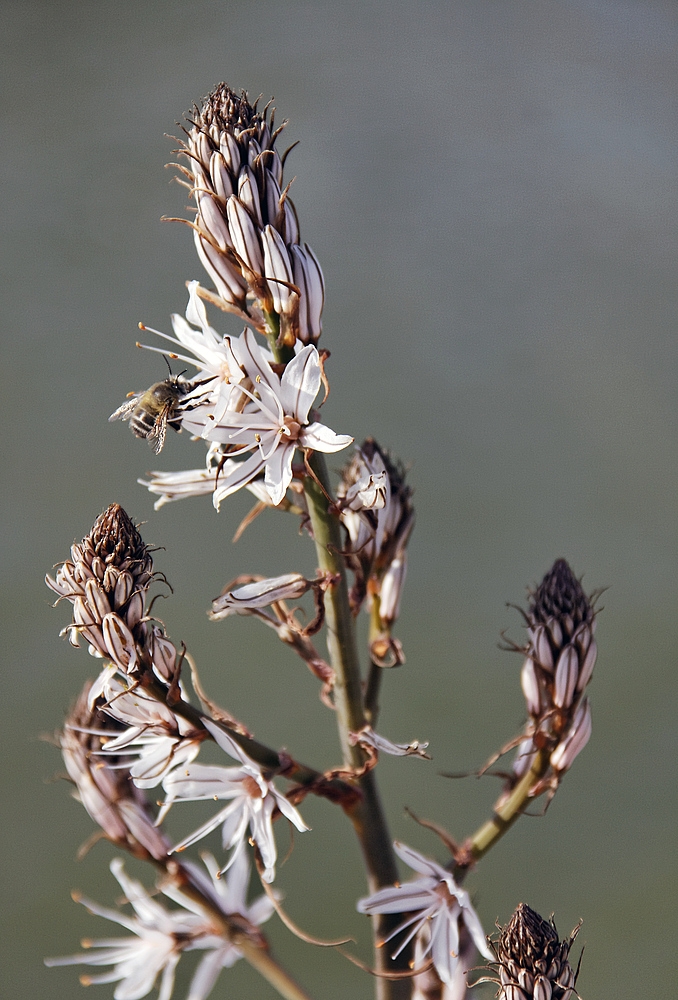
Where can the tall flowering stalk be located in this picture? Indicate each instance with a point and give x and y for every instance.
(133, 742)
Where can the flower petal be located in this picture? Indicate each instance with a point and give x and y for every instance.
(419, 863)
(300, 383)
(278, 474)
(445, 945)
(322, 438)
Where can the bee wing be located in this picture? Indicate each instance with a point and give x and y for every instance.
(124, 412)
(156, 436)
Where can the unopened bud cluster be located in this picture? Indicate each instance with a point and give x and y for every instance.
(561, 654)
(246, 228)
(532, 963)
(106, 580)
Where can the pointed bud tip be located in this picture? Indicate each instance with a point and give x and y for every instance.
(560, 596)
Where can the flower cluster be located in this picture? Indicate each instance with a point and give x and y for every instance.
(160, 936)
(252, 801)
(253, 418)
(246, 229)
(133, 728)
(132, 744)
(113, 801)
(106, 580)
(561, 654)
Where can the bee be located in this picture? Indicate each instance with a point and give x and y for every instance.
(152, 411)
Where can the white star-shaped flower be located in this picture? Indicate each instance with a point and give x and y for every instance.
(252, 800)
(434, 900)
(273, 421)
(158, 938)
(230, 892)
(154, 735)
(213, 355)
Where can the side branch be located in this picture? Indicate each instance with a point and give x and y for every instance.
(505, 815)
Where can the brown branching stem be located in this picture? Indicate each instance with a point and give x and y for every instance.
(269, 759)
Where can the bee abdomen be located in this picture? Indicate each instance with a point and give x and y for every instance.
(141, 423)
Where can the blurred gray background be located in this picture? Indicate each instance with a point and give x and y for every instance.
(490, 186)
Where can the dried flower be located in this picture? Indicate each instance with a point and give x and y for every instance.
(433, 901)
(246, 229)
(532, 964)
(367, 738)
(260, 594)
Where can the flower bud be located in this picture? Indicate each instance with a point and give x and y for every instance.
(107, 580)
(532, 963)
(562, 653)
(259, 594)
(574, 742)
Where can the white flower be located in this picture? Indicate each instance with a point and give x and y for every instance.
(427, 983)
(368, 493)
(243, 406)
(159, 739)
(434, 900)
(159, 937)
(230, 893)
(252, 800)
(210, 353)
(273, 422)
(171, 486)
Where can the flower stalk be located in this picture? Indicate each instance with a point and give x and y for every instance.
(366, 814)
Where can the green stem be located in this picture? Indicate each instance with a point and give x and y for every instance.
(281, 352)
(367, 814)
(341, 638)
(505, 814)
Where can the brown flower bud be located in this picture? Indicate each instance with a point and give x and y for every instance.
(377, 512)
(107, 580)
(561, 653)
(532, 963)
